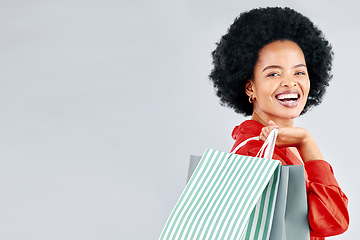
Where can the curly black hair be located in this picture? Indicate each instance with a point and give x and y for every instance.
(237, 52)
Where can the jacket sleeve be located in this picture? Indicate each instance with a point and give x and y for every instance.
(328, 214)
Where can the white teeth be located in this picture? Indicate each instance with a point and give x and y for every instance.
(287, 96)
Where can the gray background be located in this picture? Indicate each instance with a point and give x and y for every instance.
(102, 102)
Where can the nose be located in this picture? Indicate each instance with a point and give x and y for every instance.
(289, 82)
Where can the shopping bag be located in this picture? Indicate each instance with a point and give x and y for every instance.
(290, 220)
(228, 196)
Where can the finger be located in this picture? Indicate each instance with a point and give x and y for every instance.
(266, 132)
(268, 129)
(261, 137)
(265, 136)
(272, 123)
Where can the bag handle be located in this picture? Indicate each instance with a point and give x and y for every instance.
(243, 144)
(268, 146)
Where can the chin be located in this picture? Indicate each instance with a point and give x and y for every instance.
(290, 115)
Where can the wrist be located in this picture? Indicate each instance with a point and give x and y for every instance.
(309, 149)
(306, 139)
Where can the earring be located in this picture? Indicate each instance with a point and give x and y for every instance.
(251, 100)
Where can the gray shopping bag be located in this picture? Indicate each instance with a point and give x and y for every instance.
(194, 161)
(290, 221)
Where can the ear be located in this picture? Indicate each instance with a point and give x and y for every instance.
(249, 88)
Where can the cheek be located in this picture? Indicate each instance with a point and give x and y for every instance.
(265, 89)
(306, 88)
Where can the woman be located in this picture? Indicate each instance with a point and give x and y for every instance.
(274, 64)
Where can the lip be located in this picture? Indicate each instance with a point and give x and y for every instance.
(289, 103)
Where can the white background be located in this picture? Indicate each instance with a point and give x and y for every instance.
(102, 102)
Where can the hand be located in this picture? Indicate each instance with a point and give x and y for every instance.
(287, 136)
(294, 137)
(265, 131)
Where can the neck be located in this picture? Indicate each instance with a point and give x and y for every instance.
(264, 120)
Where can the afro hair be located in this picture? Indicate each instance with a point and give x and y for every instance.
(237, 52)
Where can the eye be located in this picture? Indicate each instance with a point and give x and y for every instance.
(300, 73)
(273, 74)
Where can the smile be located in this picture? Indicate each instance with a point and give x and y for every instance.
(288, 99)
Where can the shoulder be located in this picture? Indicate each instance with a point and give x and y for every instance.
(251, 148)
(246, 129)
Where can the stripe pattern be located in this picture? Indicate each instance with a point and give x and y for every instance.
(229, 196)
(261, 218)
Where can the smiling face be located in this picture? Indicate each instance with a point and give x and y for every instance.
(280, 85)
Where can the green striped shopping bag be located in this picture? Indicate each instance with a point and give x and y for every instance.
(228, 196)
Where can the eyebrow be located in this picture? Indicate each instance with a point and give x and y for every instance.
(279, 67)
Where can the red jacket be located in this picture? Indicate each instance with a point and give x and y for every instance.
(328, 215)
